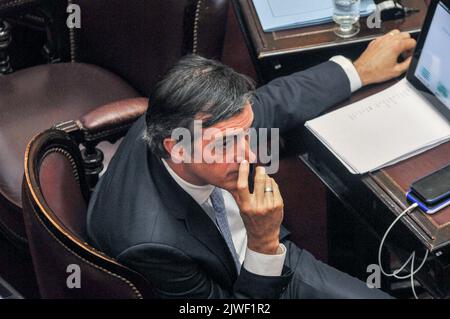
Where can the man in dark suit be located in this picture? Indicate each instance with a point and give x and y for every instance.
(194, 228)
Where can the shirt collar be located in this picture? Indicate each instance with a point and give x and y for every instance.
(199, 193)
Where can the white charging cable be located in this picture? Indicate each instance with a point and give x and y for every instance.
(410, 259)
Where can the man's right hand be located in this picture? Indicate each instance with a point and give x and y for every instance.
(379, 63)
(262, 211)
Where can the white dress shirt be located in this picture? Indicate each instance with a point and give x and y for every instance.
(254, 262)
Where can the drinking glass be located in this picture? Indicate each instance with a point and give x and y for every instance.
(346, 15)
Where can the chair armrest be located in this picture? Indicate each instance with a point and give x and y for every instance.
(111, 121)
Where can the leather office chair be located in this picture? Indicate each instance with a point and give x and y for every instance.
(137, 40)
(55, 197)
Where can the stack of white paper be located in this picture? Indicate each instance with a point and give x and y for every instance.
(277, 15)
(382, 129)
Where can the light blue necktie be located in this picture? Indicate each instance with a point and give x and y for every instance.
(222, 222)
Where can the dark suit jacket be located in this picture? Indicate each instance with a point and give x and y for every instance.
(139, 215)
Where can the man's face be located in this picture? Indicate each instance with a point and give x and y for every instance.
(222, 147)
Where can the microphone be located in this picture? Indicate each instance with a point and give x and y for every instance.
(392, 10)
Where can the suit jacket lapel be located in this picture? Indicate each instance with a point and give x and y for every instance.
(183, 206)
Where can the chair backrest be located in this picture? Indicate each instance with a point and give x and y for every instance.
(11, 6)
(55, 197)
(140, 39)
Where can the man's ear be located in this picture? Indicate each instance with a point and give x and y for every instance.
(174, 149)
(169, 143)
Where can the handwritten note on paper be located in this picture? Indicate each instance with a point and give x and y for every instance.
(379, 106)
(382, 129)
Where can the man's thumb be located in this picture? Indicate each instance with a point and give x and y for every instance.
(403, 67)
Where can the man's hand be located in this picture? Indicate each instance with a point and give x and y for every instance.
(262, 211)
(379, 62)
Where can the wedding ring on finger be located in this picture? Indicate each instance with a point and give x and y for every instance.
(394, 32)
(268, 190)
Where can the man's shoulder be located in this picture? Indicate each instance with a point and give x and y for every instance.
(126, 207)
(129, 218)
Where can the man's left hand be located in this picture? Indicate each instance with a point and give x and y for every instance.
(379, 62)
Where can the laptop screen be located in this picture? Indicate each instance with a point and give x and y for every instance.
(433, 67)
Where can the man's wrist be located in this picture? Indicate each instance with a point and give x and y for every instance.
(265, 246)
(360, 68)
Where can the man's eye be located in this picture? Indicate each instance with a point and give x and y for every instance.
(220, 143)
(225, 143)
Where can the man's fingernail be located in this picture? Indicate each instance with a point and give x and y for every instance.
(244, 162)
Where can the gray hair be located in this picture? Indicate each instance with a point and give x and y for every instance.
(193, 86)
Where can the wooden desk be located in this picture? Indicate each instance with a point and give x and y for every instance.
(273, 52)
(393, 182)
(373, 200)
(377, 198)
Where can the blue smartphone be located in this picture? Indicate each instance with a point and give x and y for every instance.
(434, 188)
(426, 208)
